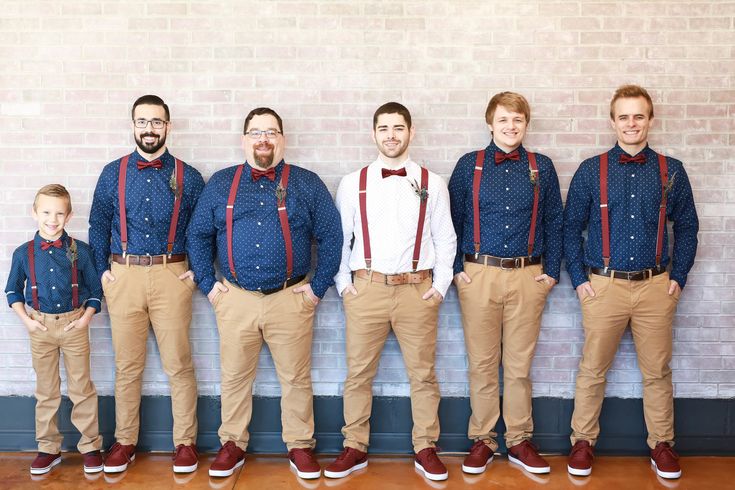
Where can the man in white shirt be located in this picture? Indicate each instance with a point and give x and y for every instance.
(390, 279)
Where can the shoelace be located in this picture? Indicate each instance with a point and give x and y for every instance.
(118, 447)
(581, 449)
(666, 452)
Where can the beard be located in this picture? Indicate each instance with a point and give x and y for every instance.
(394, 152)
(263, 160)
(153, 147)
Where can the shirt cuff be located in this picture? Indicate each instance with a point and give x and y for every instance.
(206, 284)
(442, 287)
(458, 264)
(679, 278)
(576, 273)
(94, 303)
(341, 281)
(14, 297)
(319, 288)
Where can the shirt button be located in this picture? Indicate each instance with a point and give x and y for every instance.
(148, 180)
(631, 258)
(257, 267)
(258, 223)
(51, 270)
(261, 203)
(507, 188)
(146, 219)
(632, 175)
(53, 287)
(50, 251)
(506, 170)
(261, 186)
(505, 246)
(507, 207)
(58, 305)
(632, 216)
(257, 245)
(632, 237)
(147, 236)
(258, 289)
(147, 199)
(507, 226)
(632, 195)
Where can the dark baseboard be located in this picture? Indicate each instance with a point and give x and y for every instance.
(703, 426)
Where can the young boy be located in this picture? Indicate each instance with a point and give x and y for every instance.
(55, 276)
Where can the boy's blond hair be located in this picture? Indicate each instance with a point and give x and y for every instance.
(53, 190)
(631, 92)
(512, 101)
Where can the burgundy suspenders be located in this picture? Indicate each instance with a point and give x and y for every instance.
(282, 216)
(477, 177)
(34, 285)
(122, 176)
(363, 218)
(605, 217)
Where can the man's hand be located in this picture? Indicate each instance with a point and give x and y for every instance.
(350, 288)
(546, 279)
(107, 275)
(33, 325)
(462, 276)
(306, 289)
(216, 289)
(584, 290)
(189, 274)
(433, 292)
(674, 287)
(81, 322)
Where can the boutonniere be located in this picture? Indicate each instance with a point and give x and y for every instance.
(280, 194)
(422, 192)
(71, 251)
(670, 184)
(533, 176)
(172, 184)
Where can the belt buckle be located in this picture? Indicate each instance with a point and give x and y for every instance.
(516, 263)
(150, 260)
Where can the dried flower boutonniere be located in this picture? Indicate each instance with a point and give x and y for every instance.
(172, 184)
(280, 194)
(670, 184)
(422, 192)
(533, 176)
(71, 251)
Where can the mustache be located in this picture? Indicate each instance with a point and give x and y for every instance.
(145, 135)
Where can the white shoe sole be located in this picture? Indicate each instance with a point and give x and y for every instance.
(342, 474)
(226, 472)
(43, 471)
(578, 471)
(530, 469)
(476, 470)
(93, 469)
(671, 475)
(186, 469)
(431, 476)
(119, 469)
(305, 474)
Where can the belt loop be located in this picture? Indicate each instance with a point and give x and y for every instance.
(164, 261)
(127, 261)
(611, 276)
(484, 260)
(650, 274)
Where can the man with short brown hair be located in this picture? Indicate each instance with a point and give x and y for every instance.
(622, 199)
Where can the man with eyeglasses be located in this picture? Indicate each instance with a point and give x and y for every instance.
(258, 219)
(141, 208)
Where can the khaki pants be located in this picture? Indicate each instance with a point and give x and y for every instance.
(139, 297)
(45, 348)
(501, 307)
(285, 321)
(650, 310)
(370, 315)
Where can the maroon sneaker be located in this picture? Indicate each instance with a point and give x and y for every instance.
(580, 459)
(665, 461)
(350, 460)
(430, 465)
(121, 455)
(44, 462)
(302, 460)
(93, 462)
(186, 458)
(229, 458)
(526, 455)
(480, 456)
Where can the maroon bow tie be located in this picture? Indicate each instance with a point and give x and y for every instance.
(500, 157)
(269, 174)
(401, 172)
(639, 158)
(47, 245)
(154, 164)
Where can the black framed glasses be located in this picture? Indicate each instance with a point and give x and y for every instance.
(155, 123)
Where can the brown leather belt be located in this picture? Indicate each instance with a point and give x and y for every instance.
(147, 260)
(631, 276)
(394, 279)
(503, 262)
(287, 284)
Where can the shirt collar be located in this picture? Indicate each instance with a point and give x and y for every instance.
(165, 157)
(379, 162)
(617, 151)
(278, 167)
(492, 148)
(37, 239)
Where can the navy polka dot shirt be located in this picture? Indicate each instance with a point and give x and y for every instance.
(506, 203)
(634, 197)
(149, 201)
(53, 277)
(258, 247)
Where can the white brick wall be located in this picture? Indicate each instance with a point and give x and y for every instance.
(70, 71)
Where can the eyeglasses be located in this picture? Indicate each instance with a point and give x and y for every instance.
(255, 134)
(155, 123)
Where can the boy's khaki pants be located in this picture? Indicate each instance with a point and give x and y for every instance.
(45, 349)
